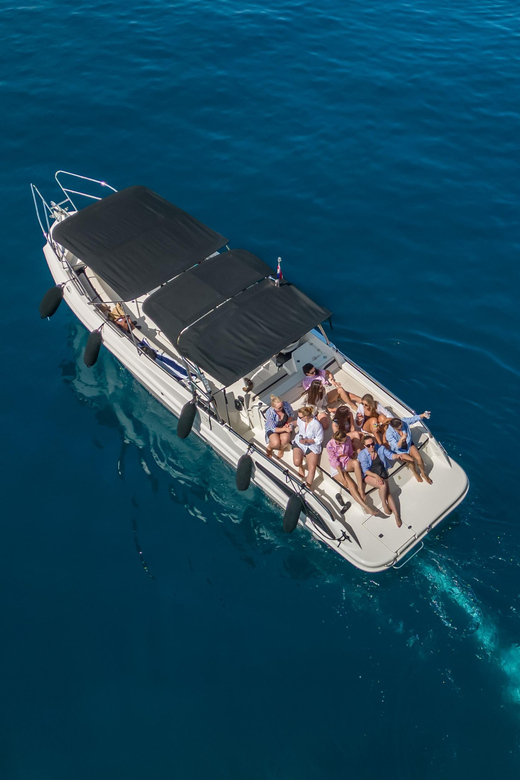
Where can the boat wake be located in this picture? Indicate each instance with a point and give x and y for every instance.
(457, 606)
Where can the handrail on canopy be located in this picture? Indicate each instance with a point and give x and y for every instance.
(236, 337)
(228, 315)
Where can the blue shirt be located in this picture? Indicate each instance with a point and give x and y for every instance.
(393, 436)
(272, 420)
(386, 457)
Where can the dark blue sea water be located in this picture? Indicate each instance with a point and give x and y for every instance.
(156, 623)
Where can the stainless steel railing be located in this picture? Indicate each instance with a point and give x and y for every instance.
(68, 191)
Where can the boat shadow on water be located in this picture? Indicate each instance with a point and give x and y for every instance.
(188, 471)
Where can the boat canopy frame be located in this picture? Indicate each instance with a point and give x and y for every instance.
(224, 312)
(229, 315)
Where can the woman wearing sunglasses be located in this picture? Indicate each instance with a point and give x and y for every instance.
(313, 374)
(279, 423)
(307, 443)
(374, 460)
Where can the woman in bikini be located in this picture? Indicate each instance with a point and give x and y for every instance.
(371, 416)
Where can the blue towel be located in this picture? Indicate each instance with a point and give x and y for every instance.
(168, 363)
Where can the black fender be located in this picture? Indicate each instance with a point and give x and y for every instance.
(186, 419)
(244, 472)
(91, 353)
(295, 506)
(50, 301)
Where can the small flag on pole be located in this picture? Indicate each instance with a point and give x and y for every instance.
(279, 275)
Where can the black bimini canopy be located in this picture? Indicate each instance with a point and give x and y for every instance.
(228, 318)
(196, 292)
(135, 240)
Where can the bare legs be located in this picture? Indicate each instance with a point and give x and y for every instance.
(358, 494)
(416, 455)
(357, 440)
(298, 460)
(343, 395)
(278, 441)
(338, 392)
(374, 426)
(417, 462)
(312, 462)
(324, 419)
(387, 500)
(353, 467)
(352, 400)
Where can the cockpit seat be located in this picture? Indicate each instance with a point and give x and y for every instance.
(285, 354)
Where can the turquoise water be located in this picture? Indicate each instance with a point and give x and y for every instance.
(156, 622)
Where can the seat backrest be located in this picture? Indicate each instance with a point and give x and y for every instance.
(257, 412)
(87, 286)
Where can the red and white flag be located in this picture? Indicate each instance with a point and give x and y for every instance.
(279, 275)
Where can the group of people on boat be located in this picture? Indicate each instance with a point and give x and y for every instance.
(366, 437)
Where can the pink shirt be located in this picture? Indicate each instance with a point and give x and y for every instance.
(339, 453)
(319, 376)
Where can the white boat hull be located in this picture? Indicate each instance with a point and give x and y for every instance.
(361, 543)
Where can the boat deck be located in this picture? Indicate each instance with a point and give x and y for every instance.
(285, 382)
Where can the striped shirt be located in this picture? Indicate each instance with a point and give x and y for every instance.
(272, 420)
(339, 453)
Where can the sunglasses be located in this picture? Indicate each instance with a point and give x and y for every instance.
(370, 445)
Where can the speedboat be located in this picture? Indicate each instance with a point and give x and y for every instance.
(212, 333)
